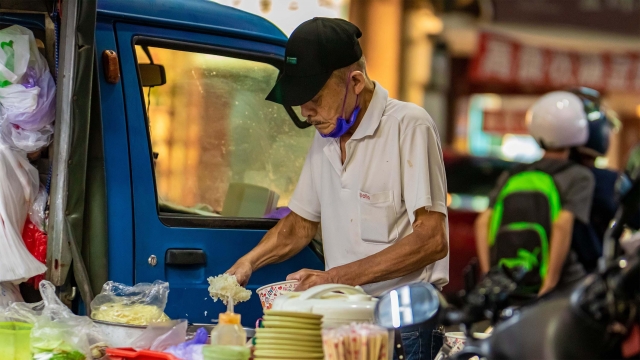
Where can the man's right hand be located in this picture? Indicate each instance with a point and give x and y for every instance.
(292, 234)
(242, 270)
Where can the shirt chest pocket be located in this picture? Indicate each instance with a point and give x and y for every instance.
(378, 218)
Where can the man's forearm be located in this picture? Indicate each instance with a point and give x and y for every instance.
(285, 240)
(482, 240)
(559, 248)
(426, 245)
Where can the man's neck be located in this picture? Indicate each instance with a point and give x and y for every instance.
(365, 96)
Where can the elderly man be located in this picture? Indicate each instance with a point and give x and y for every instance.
(374, 177)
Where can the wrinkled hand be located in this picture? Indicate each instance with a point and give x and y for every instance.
(310, 278)
(242, 270)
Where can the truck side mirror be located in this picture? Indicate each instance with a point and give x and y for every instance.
(152, 75)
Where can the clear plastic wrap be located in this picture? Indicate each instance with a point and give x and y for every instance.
(37, 211)
(18, 190)
(142, 304)
(161, 336)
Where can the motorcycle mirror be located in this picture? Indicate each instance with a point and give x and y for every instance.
(407, 305)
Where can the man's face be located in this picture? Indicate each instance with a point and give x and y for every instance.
(324, 109)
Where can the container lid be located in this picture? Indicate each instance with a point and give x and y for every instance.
(225, 352)
(229, 318)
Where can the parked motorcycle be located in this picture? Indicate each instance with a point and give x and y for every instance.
(590, 319)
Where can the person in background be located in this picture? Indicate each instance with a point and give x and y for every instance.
(533, 207)
(588, 238)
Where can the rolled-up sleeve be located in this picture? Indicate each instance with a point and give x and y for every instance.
(424, 183)
(305, 201)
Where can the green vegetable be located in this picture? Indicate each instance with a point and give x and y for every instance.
(74, 355)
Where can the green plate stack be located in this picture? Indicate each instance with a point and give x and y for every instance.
(15, 343)
(288, 335)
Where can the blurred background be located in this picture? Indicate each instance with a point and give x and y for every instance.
(477, 65)
(474, 65)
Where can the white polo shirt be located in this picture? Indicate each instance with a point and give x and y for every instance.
(393, 167)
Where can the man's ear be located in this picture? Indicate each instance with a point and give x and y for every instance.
(359, 81)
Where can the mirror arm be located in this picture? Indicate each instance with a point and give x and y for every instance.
(145, 48)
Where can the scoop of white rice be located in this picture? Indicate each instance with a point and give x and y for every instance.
(226, 286)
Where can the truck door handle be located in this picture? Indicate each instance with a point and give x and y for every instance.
(185, 257)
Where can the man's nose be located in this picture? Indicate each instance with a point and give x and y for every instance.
(307, 110)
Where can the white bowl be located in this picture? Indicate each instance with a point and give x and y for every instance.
(269, 293)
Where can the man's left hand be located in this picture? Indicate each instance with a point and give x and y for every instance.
(310, 278)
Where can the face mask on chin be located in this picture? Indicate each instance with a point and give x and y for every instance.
(343, 125)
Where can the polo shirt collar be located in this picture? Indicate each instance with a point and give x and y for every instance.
(372, 117)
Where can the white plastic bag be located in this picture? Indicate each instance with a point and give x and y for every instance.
(14, 55)
(23, 113)
(18, 189)
(25, 140)
(27, 92)
(19, 52)
(9, 293)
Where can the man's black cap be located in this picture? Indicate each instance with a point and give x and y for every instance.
(314, 51)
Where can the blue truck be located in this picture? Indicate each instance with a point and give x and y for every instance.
(166, 158)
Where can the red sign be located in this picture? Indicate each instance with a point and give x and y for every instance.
(505, 122)
(505, 60)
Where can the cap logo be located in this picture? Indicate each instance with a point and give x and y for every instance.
(292, 60)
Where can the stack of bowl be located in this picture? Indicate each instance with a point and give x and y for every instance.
(288, 335)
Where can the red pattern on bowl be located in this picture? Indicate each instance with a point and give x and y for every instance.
(269, 293)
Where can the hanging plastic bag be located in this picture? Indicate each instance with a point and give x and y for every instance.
(192, 349)
(19, 51)
(36, 242)
(60, 334)
(18, 189)
(42, 114)
(28, 141)
(142, 304)
(161, 336)
(37, 211)
(9, 293)
(27, 91)
(14, 55)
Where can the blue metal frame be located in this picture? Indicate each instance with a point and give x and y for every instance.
(193, 15)
(188, 297)
(117, 166)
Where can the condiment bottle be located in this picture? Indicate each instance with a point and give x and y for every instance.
(228, 331)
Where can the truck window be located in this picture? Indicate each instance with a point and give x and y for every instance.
(219, 148)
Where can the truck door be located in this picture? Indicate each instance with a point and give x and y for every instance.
(211, 161)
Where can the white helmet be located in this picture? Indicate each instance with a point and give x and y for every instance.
(558, 121)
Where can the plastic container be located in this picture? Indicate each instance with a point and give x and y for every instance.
(225, 352)
(228, 331)
(15, 340)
